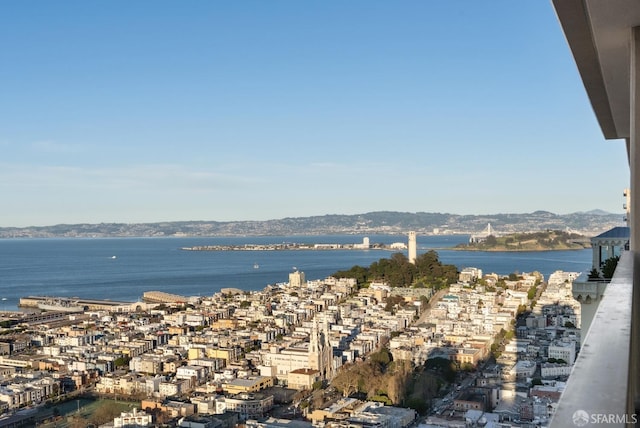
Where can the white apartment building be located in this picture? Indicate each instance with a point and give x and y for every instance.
(133, 419)
(469, 274)
(32, 392)
(552, 370)
(208, 405)
(175, 387)
(249, 405)
(151, 364)
(196, 373)
(563, 350)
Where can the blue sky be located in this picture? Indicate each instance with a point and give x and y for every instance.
(150, 111)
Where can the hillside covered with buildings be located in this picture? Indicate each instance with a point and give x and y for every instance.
(383, 222)
(380, 348)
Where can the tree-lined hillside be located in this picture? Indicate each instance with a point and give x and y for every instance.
(533, 241)
(396, 271)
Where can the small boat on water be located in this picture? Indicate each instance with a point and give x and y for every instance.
(256, 266)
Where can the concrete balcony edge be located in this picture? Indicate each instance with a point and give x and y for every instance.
(598, 386)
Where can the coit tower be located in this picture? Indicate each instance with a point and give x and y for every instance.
(412, 247)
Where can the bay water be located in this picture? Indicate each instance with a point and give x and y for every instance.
(123, 269)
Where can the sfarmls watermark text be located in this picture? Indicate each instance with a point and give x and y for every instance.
(582, 418)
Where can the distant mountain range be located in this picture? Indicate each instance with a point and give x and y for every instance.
(588, 223)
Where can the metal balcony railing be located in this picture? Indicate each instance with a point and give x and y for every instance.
(601, 389)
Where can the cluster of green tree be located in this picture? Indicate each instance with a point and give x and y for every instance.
(607, 267)
(397, 271)
(426, 382)
(445, 367)
(392, 302)
(121, 362)
(549, 236)
(8, 323)
(380, 378)
(501, 339)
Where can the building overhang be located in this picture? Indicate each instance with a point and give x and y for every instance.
(599, 35)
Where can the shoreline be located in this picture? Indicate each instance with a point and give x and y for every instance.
(288, 247)
(524, 250)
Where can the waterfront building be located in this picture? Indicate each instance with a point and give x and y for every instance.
(398, 246)
(364, 246)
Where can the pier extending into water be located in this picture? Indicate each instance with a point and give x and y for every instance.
(78, 305)
(43, 302)
(162, 297)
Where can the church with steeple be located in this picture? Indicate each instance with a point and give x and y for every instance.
(314, 353)
(320, 350)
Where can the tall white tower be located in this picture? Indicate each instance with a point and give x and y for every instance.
(413, 253)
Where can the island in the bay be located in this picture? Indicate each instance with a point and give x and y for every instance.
(548, 240)
(365, 245)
